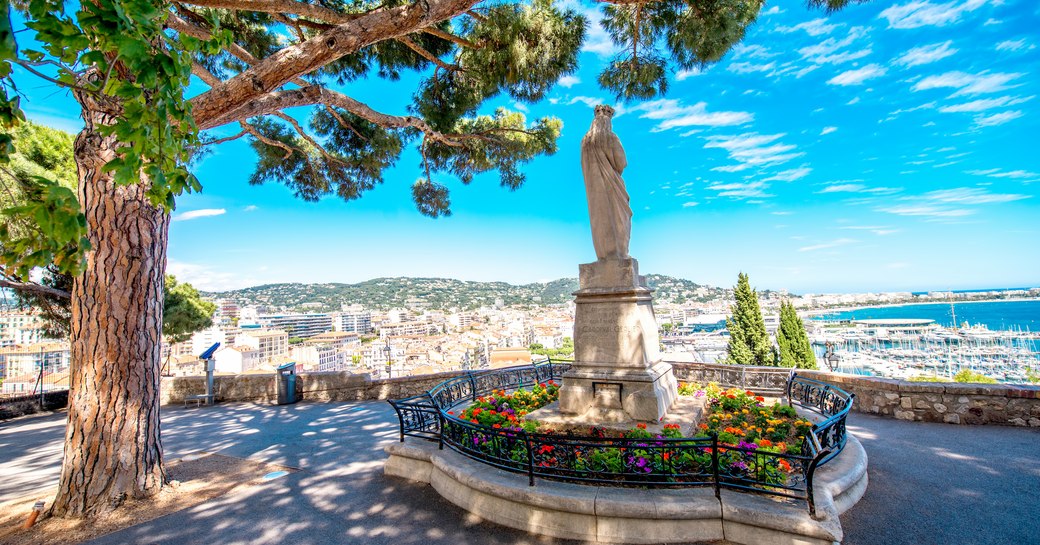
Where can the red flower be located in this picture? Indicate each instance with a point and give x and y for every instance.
(641, 426)
(545, 449)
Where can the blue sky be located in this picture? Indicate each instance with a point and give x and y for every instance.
(889, 146)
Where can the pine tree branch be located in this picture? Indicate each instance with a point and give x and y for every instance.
(310, 140)
(274, 143)
(433, 31)
(427, 55)
(31, 287)
(311, 95)
(313, 11)
(294, 61)
(343, 122)
(226, 139)
(204, 74)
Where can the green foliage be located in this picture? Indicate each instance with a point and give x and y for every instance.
(748, 339)
(566, 349)
(928, 378)
(184, 311)
(40, 221)
(795, 350)
(969, 376)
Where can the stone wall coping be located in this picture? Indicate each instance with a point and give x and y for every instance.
(784, 517)
(906, 386)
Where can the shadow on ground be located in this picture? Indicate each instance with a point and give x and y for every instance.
(929, 483)
(941, 483)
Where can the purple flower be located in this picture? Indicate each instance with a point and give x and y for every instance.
(641, 462)
(739, 465)
(746, 445)
(700, 393)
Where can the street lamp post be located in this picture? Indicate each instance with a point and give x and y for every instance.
(389, 362)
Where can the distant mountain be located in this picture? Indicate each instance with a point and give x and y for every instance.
(441, 293)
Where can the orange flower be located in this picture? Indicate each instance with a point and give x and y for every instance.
(704, 426)
(641, 426)
(666, 456)
(760, 399)
(765, 443)
(785, 466)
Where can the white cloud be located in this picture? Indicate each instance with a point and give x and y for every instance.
(750, 68)
(827, 245)
(195, 214)
(968, 84)
(858, 76)
(992, 21)
(927, 211)
(569, 81)
(789, 175)
(878, 230)
(996, 119)
(752, 149)
(982, 105)
(1015, 45)
(926, 54)
(690, 204)
(827, 51)
(591, 102)
(828, 130)
(687, 74)
(919, 13)
(773, 11)
(816, 27)
(740, 190)
(855, 100)
(597, 40)
(206, 278)
(251, 208)
(672, 114)
(971, 195)
(843, 188)
(753, 51)
(1009, 174)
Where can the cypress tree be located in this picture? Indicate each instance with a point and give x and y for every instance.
(795, 348)
(748, 340)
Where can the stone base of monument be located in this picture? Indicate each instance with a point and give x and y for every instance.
(686, 412)
(617, 375)
(629, 515)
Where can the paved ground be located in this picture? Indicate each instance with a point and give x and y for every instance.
(929, 483)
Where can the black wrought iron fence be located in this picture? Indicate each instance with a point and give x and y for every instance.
(625, 461)
(832, 403)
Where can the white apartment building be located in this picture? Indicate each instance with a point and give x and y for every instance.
(272, 345)
(353, 321)
(406, 329)
(21, 328)
(303, 326)
(27, 360)
(236, 359)
(318, 357)
(341, 340)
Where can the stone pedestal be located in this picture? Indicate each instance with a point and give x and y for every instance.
(618, 376)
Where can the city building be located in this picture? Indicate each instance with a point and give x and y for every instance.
(302, 326)
(21, 328)
(406, 329)
(27, 360)
(354, 320)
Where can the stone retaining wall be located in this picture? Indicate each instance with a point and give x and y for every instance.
(949, 402)
(260, 388)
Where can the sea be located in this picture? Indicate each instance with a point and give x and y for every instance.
(1014, 315)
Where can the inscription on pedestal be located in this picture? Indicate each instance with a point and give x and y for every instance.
(606, 395)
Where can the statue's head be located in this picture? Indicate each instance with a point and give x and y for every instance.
(604, 110)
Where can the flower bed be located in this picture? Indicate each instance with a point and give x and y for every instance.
(743, 440)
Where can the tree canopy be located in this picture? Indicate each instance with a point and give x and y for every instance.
(258, 58)
(794, 348)
(748, 339)
(184, 311)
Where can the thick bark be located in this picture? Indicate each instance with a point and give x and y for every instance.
(294, 61)
(112, 443)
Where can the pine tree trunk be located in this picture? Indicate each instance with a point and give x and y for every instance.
(112, 444)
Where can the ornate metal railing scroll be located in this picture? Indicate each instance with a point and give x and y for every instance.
(832, 403)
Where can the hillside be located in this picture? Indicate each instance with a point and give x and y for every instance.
(440, 293)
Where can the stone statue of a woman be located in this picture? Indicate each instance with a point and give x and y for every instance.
(602, 161)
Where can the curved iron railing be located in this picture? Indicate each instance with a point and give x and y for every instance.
(833, 404)
(664, 462)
